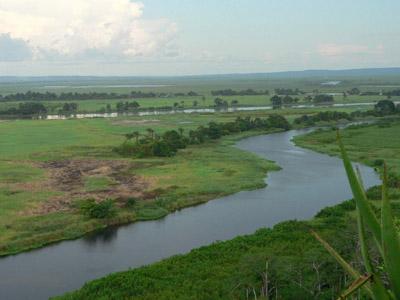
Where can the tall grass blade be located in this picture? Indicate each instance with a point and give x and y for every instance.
(390, 240)
(349, 269)
(359, 196)
(377, 286)
(357, 284)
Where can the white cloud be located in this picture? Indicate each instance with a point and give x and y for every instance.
(335, 50)
(84, 28)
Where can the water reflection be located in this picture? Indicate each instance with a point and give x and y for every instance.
(102, 236)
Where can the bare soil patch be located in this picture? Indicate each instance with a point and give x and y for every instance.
(68, 177)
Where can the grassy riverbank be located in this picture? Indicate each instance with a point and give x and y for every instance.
(366, 143)
(48, 168)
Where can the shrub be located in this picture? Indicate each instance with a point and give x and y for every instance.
(131, 202)
(101, 210)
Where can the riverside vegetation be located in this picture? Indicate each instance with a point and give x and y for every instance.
(285, 262)
(54, 179)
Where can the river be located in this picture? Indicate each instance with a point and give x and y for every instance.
(307, 182)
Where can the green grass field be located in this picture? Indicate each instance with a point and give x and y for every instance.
(365, 144)
(201, 85)
(91, 106)
(36, 210)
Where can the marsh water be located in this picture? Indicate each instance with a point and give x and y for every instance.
(155, 112)
(307, 182)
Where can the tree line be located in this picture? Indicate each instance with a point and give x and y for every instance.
(47, 96)
(168, 143)
(382, 108)
(279, 101)
(38, 109)
(247, 92)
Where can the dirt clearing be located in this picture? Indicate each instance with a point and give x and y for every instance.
(69, 178)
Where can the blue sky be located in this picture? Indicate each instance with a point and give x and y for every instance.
(178, 37)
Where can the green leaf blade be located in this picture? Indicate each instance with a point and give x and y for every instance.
(390, 241)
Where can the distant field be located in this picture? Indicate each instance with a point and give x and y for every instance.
(203, 85)
(90, 106)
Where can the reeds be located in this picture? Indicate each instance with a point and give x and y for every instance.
(385, 236)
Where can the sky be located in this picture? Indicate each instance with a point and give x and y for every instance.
(186, 37)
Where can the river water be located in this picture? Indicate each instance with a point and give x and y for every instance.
(307, 182)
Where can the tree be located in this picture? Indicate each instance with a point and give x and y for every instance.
(136, 135)
(150, 132)
(385, 107)
(276, 102)
(354, 91)
(181, 130)
(323, 98)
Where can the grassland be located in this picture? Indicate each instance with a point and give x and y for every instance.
(48, 167)
(92, 106)
(366, 143)
(201, 85)
(298, 267)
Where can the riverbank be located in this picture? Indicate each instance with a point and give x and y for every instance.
(40, 207)
(295, 264)
(365, 143)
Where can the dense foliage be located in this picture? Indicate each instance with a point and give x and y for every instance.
(126, 106)
(278, 101)
(101, 210)
(26, 109)
(381, 109)
(37, 96)
(168, 143)
(284, 263)
(326, 116)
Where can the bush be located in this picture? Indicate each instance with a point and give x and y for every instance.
(131, 202)
(378, 163)
(101, 210)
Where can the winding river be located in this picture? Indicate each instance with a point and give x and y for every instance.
(307, 182)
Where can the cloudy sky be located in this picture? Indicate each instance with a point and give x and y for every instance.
(178, 37)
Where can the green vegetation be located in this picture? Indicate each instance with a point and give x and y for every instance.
(171, 141)
(368, 144)
(97, 183)
(284, 262)
(381, 109)
(102, 95)
(48, 168)
(286, 259)
(102, 210)
(385, 236)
